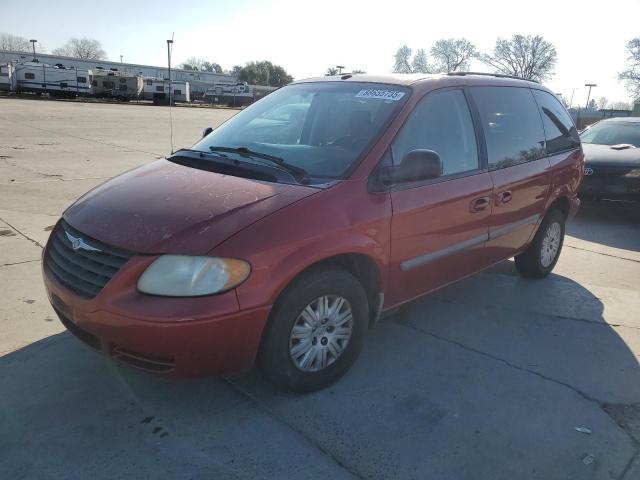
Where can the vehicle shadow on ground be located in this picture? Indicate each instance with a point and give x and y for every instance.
(612, 223)
(484, 379)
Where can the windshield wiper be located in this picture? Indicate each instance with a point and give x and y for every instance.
(300, 174)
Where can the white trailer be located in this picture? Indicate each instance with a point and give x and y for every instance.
(115, 85)
(158, 91)
(231, 94)
(57, 81)
(7, 78)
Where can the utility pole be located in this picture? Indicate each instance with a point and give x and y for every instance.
(33, 44)
(169, 46)
(590, 85)
(120, 58)
(571, 101)
(339, 67)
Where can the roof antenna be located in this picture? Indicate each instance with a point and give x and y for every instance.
(169, 49)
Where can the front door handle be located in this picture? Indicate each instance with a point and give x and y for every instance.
(504, 197)
(479, 204)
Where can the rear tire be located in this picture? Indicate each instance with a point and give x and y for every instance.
(542, 254)
(315, 331)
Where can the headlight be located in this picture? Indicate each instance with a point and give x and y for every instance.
(184, 276)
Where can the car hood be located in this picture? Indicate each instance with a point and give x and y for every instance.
(602, 155)
(164, 207)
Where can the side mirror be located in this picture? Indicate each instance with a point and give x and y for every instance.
(417, 165)
(206, 131)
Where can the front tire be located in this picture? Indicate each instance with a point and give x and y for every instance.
(316, 331)
(541, 256)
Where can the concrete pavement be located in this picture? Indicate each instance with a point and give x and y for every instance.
(487, 378)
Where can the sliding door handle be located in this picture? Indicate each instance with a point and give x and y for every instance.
(504, 197)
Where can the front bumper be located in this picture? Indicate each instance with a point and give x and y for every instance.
(175, 337)
(610, 185)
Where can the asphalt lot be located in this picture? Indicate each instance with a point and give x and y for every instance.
(485, 379)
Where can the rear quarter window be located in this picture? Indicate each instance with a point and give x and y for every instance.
(560, 132)
(511, 123)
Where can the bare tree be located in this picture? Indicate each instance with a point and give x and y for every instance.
(603, 102)
(402, 56)
(85, 48)
(452, 55)
(14, 42)
(530, 57)
(631, 76)
(420, 62)
(621, 106)
(331, 71)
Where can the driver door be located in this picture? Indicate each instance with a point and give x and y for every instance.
(439, 227)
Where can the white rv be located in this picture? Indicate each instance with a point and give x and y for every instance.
(57, 80)
(7, 78)
(114, 85)
(231, 94)
(158, 91)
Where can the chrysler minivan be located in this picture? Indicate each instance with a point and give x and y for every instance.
(282, 236)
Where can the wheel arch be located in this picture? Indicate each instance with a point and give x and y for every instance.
(362, 266)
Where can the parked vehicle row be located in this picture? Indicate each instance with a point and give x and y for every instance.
(283, 235)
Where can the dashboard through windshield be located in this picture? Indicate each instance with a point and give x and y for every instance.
(320, 127)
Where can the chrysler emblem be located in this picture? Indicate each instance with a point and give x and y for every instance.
(78, 243)
(588, 171)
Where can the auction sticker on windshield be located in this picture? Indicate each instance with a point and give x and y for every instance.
(394, 95)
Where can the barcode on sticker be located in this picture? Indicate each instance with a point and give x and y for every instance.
(393, 95)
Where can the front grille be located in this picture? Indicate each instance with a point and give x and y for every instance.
(83, 270)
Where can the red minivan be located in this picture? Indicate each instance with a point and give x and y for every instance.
(284, 234)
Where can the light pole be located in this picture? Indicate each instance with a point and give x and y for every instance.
(571, 101)
(339, 67)
(33, 44)
(120, 58)
(590, 85)
(169, 46)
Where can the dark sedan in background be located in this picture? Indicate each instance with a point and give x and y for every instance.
(612, 159)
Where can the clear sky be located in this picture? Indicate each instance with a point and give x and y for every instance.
(306, 37)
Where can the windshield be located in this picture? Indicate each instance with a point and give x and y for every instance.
(321, 127)
(613, 133)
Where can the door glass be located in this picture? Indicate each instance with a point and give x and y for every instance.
(560, 132)
(440, 122)
(511, 124)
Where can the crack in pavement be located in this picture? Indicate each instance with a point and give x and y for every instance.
(544, 314)
(19, 263)
(582, 394)
(13, 164)
(279, 418)
(92, 140)
(24, 235)
(602, 253)
(59, 179)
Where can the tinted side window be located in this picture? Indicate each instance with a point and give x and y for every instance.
(29, 76)
(440, 122)
(559, 129)
(511, 124)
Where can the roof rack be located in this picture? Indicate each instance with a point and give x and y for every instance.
(486, 74)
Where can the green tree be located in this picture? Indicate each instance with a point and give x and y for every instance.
(264, 73)
(331, 71)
